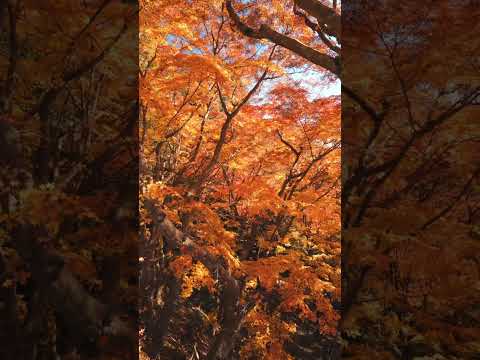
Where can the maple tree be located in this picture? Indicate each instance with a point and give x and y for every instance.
(239, 187)
(68, 274)
(410, 179)
(409, 74)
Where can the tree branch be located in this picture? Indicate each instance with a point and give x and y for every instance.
(323, 14)
(295, 151)
(265, 32)
(166, 231)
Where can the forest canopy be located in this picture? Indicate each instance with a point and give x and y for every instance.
(240, 181)
(210, 137)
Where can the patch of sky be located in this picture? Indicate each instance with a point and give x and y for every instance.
(316, 83)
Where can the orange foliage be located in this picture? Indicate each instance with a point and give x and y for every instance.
(244, 162)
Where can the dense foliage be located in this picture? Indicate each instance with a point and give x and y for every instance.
(240, 167)
(409, 74)
(410, 179)
(240, 186)
(69, 184)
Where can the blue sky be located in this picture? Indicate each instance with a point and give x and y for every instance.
(310, 79)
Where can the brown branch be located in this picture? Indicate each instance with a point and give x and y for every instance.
(290, 146)
(255, 87)
(300, 176)
(324, 15)
(156, 326)
(290, 176)
(363, 104)
(42, 156)
(223, 344)
(226, 126)
(166, 231)
(222, 100)
(182, 126)
(93, 167)
(317, 28)
(187, 99)
(90, 22)
(265, 32)
(448, 208)
(70, 76)
(388, 167)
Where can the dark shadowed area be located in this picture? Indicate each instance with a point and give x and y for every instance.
(69, 180)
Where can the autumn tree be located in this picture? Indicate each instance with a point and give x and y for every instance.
(408, 73)
(408, 197)
(68, 149)
(239, 191)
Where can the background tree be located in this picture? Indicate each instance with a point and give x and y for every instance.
(68, 150)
